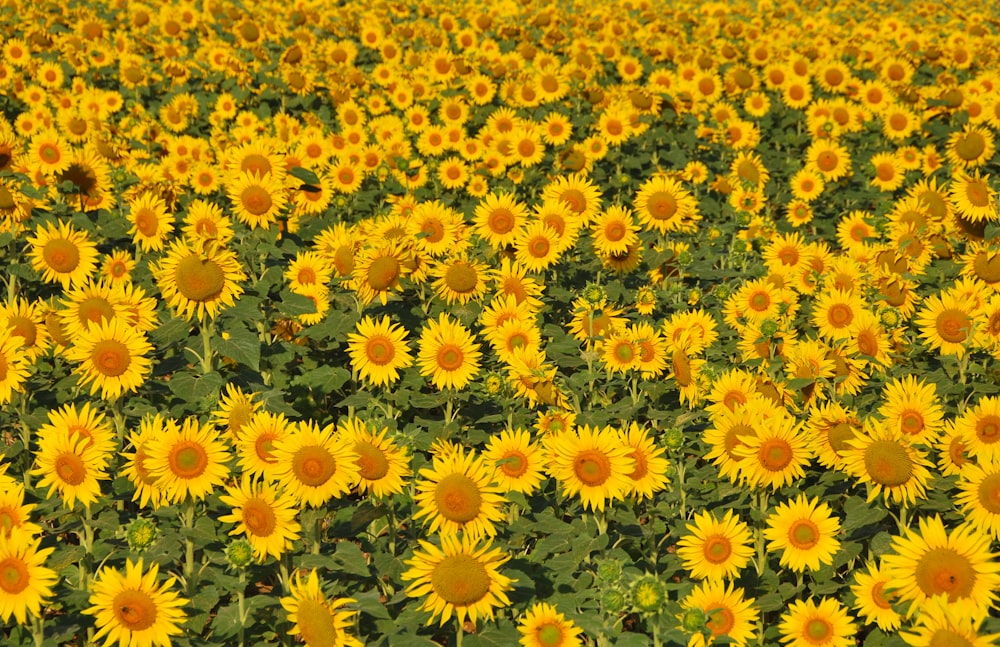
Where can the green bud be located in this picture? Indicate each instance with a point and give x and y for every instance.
(768, 328)
(609, 570)
(594, 294)
(613, 601)
(722, 291)
(239, 553)
(141, 534)
(685, 258)
(693, 621)
(673, 438)
(648, 594)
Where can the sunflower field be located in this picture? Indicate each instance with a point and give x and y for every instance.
(604, 323)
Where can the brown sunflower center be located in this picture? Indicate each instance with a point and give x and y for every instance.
(838, 436)
(264, 447)
(944, 570)
(911, 422)
(146, 222)
(840, 315)
(539, 247)
(450, 357)
(371, 460)
(662, 205)
(717, 549)
(379, 350)
(615, 231)
(970, 146)
(549, 634)
(988, 429)
(382, 272)
(14, 576)
(774, 454)
(259, 518)
(818, 631)
(256, 200)
(759, 301)
(888, 463)
(458, 498)
(721, 622)
(977, 193)
(188, 459)
(868, 343)
(256, 163)
(61, 255)
(575, 199)
(989, 493)
(313, 465)
(987, 267)
(111, 358)
(803, 534)
(199, 279)
(514, 463)
(826, 161)
(460, 580)
(461, 277)
(952, 325)
(316, 624)
(70, 468)
(592, 467)
(501, 220)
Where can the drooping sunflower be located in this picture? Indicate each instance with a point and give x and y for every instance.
(68, 464)
(592, 463)
(713, 549)
(808, 624)
(199, 282)
(728, 615)
(459, 578)
(112, 358)
(873, 600)
(448, 354)
(187, 460)
(458, 495)
(932, 561)
(882, 458)
(379, 350)
(384, 467)
(518, 461)
(804, 530)
(264, 515)
(134, 608)
(315, 465)
(913, 406)
(25, 582)
(63, 254)
(316, 619)
(543, 626)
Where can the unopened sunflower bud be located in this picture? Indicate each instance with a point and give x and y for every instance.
(693, 621)
(239, 553)
(141, 534)
(648, 594)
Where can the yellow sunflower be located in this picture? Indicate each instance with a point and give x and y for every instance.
(932, 561)
(199, 283)
(112, 358)
(377, 270)
(914, 407)
(979, 496)
(804, 530)
(713, 549)
(948, 324)
(884, 460)
(518, 460)
(188, 460)
(775, 454)
(15, 514)
(257, 200)
(152, 224)
(316, 619)
(315, 465)
(458, 494)
(499, 218)
(264, 515)
(873, 600)
(384, 466)
(63, 254)
(808, 624)
(448, 354)
(543, 626)
(135, 469)
(537, 247)
(25, 582)
(68, 464)
(378, 350)
(460, 579)
(13, 366)
(592, 463)
(650, 473)
(25, 319)
(728, 615)
(973, 198)
(460, 280)
(979, 429)
(134, 608)
(578, 192)
(941, 623)
(663, 205)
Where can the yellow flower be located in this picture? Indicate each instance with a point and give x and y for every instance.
(133, 608)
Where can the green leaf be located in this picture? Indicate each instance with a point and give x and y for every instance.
(324, 378)
(190, 387)
(860, 514)
(370, 602)
(170, 331)
(242, 346)
(291, 304)
(351, 559)
(304, 174)
(227, 621)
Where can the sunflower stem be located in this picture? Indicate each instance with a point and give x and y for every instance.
(459, 633)
(38, 628)
(317, 534)
(241, 603)
(206, 342)
(86, 538)
(189, 545)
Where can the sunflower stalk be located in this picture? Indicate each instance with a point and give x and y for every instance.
(188, 521)
(38, 628)
(207, 330)
(241, 605)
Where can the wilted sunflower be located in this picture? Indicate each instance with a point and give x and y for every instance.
(458, 495)
(460, 579)
(63, 254)
(134, 608)
(199, 283)
(316, 619)
(112, 358)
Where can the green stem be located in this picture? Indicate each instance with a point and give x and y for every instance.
(189, 545)
(207, 330)
(241, 603)
(86, 537)
(681, 488)
(317, 534)
(459, 634)
(391, 519)
(38, 628)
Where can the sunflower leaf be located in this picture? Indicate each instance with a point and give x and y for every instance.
(304, 174)
(242, 346)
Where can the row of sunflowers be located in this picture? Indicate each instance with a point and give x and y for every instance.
(554, 325)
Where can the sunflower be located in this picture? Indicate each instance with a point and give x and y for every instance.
(457, 494)
(257, 200)
(518, 460)
(316, 619)
(135, 469)
(979, 496)
(315, 465)
(538, 247)
(650, 473)
(715, 550)
(618, 352)
(973, 198)
(932, 562)
(69, 464)
(152, 224)
(873, 600)
(829, 158)
(870, 340)
(438, 229)
(804, 530)
(882, 458)
(652, 350)
(543, 626)
(378, 270)
(979, 429)
(834, 313)
(775, 454)
(829, 428)
(255, 443)
(578, 192)
(725, 434)
(199, 282)
(613, 231)
(460, 579)
(512, 335)
(499, 219)
(807, 185)
(941, 623)
(448, 354)
(914, 408)
(971, 147)
(265, 515)
(85, 422)
(187, 460)
(947, 324)
(133, 608)
(50, 152)
(663, 205)
(13, 365)
(62, 254)
(378, 350)
(15, 514)
(308, 269)
(112, 358)
(591, 462)
(384, 467)
(728, 615)
(205, 223)
(25, 582)
(808, 624)
(88, 305)
(460, 279)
